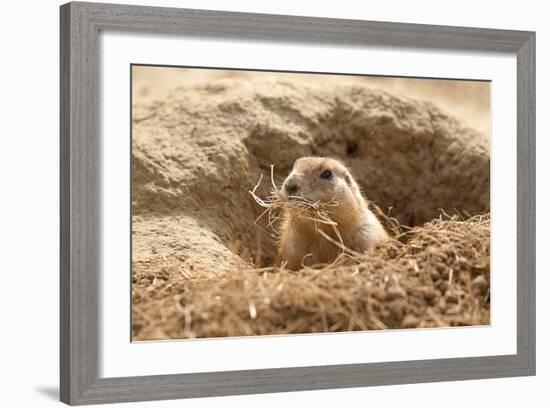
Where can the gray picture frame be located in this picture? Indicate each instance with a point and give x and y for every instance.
(80, 234)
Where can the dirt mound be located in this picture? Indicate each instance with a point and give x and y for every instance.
(198, 153)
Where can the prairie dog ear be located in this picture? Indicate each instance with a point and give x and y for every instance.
(348, 179)
(352, 183)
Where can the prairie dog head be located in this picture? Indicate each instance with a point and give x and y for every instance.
(321, 180)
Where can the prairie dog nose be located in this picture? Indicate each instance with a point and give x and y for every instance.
(291, 186)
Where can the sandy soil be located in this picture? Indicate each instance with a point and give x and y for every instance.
(200, 143)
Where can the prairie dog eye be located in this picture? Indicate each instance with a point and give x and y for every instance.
(327, 174)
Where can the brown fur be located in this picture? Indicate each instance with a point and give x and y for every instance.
(339, 197)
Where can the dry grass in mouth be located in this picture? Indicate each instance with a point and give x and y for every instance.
(275, 205)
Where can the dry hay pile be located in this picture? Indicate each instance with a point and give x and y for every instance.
(438, 277)
(201, 268)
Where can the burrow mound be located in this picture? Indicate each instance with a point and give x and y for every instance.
(196, 155)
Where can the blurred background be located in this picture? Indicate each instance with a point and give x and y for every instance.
(469, 101)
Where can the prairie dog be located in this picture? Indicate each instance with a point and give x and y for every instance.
(328, 183)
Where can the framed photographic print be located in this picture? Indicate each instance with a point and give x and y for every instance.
(261, 203)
